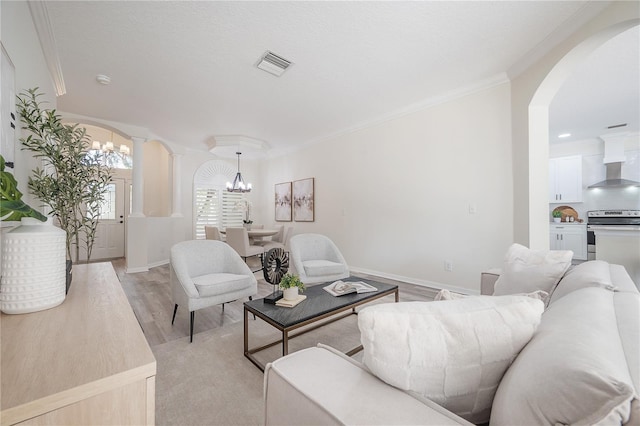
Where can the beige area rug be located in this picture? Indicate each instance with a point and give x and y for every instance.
(211, 382)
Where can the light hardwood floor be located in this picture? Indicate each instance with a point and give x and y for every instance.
(149, 294)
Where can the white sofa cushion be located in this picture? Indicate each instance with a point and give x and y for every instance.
(314, 268)
(525, 270)
(445, 294)
(452, 352)
(595, 273)
(221, 283)
(575, 368)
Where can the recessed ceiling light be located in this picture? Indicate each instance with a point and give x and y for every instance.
(103, 79)
(564, 135)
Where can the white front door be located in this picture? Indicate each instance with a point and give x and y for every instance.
(110, 233)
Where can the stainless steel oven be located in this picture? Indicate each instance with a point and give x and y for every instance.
(609, 219)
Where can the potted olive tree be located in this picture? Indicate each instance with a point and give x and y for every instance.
(72, 182)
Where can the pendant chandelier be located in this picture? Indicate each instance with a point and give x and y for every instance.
(238, 183)
(108, 148)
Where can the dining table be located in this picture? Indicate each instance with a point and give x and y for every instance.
(257, 233)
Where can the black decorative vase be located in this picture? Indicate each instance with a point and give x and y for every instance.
(69, 266)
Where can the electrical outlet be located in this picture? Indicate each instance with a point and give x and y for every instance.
(473, 208)
(448, 266)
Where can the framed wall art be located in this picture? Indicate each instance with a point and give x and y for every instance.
(283, 202)
(303, 200)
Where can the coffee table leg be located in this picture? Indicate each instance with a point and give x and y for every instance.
(246, 331)
(285, 342)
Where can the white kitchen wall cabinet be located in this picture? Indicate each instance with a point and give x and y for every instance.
(565, 179)
(569, 237)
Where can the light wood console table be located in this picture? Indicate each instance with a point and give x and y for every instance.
(83, 362)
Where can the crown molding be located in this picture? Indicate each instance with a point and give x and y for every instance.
(41, 21)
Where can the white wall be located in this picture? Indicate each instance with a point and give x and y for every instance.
(395, 197)
(20, 40)
(157, 184)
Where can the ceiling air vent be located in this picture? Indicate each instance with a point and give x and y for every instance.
(273, 64)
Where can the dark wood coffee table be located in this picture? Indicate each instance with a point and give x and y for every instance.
(318, 306)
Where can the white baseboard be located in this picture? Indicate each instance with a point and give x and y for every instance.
(146, 268)
(136, 270)
(158, 263)
(411, 280)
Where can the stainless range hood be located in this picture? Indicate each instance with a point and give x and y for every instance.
(613, 159)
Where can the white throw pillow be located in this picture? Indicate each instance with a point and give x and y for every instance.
(445, 294)
(525, 270)
(452, 352)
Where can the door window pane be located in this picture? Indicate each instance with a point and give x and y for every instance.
(107, 208)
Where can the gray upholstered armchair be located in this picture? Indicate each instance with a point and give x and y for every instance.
(206, 273)
(317, 259)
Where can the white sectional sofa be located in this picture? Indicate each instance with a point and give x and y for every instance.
(581, 366)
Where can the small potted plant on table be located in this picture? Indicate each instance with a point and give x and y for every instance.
(291, 285)
(557, 215)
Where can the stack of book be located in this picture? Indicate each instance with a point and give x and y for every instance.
(291, 303)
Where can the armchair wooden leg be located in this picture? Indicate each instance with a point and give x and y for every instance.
(223, 307)
(175, 309)
(193, 316)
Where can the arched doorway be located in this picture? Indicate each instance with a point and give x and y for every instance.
(539, 129)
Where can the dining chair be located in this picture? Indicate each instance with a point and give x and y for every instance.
(287, 237)
(212, 233)
(238, 239)
(206, 273)
(317, 259)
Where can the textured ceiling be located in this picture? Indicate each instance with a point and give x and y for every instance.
(186, 70)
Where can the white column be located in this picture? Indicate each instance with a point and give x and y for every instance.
(137, 201)
(177, 185)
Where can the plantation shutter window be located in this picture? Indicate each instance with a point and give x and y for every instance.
(216, 207)
(213, 204)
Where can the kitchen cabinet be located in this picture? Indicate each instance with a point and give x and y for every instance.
(569, 237)
(565, 179)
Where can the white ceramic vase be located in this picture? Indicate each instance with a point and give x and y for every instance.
(290, 293)
(33, 267)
